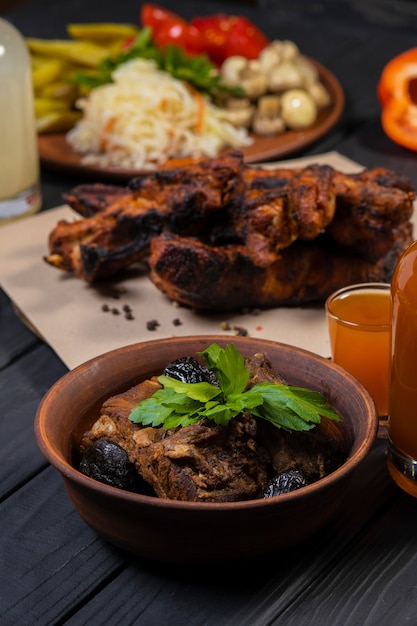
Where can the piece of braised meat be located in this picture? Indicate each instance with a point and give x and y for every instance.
(310, 455)
(206, 462)
(202, 462)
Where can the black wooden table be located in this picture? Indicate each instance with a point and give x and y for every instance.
(362, 568)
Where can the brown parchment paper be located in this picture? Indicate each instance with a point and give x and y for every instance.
(68, 313)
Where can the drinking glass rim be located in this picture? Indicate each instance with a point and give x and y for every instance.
(385, 287)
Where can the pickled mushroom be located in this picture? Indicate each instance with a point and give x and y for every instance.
(298, 109)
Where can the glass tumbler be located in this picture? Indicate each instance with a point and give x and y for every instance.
(359, 323)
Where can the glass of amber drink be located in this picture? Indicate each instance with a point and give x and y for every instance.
(359, 323)
(402, 440)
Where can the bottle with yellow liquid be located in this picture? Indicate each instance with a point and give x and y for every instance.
(19, 160)
(402, 445)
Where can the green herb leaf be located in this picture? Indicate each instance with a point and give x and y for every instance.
(292, 408)
(182, 404)
(153, 411)
(229, 367)
(197, 391)
(167, 408)
(198, 71)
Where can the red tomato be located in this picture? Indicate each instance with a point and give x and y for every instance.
(180, 34)
(215, 31)
(219, 35)
(153, 15)
(169, 28)
(245, 39)
(229, 35)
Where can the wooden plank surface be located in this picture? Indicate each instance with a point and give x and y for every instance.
(361, 569)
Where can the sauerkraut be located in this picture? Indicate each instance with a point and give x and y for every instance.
(145, 117)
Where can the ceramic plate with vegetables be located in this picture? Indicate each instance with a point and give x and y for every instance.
(121, 98)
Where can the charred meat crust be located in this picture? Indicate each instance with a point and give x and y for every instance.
(89, 199)
(269, 225)
(224, 278)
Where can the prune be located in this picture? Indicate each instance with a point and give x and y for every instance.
(188, 370)
(108, 463)
(284, 483)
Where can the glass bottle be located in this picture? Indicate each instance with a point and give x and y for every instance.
(19, 160)
(402, 443)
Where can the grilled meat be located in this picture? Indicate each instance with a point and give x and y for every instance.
(269, 220)
(188, 193)
(370, 205)
(192, 194)
(286, 229)
(276, 178)
(224, 277)
(216, 179)
(370, 213)
(101, 245)
(89, 199)
(385, 178)
(113, 238)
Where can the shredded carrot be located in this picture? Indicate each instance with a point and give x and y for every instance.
(200, 109)
(153, 117)
(200, 113)
(108, 127)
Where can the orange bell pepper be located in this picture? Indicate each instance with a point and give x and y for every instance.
(397, 93)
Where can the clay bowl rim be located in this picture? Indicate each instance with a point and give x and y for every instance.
(68, 471)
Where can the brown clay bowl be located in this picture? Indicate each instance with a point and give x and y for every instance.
(189, 532)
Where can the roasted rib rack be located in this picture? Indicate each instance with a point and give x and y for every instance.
(219, 234)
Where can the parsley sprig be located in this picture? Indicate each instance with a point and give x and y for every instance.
(183, 404)
(197, 70)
